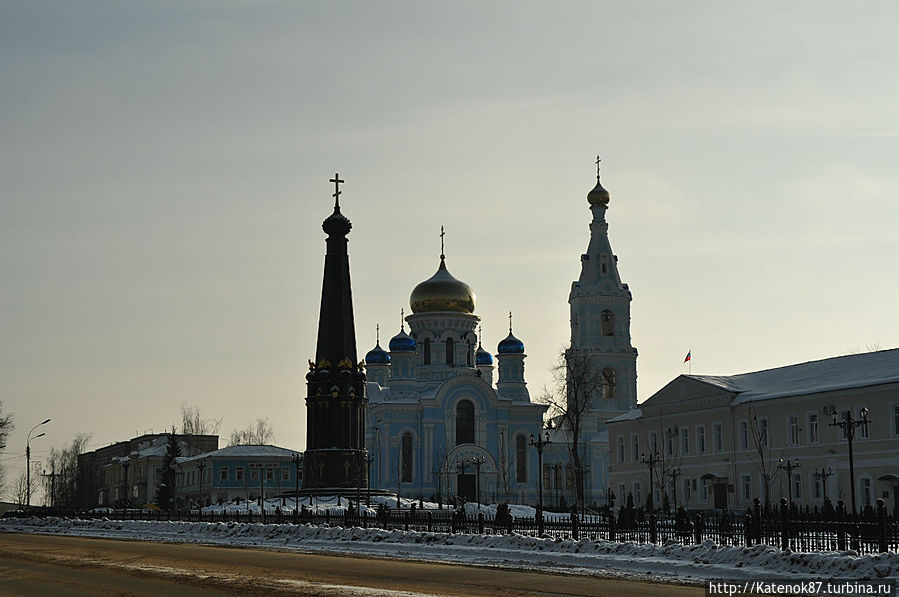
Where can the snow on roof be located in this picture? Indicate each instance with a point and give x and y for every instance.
(826, 375)
(628, 416)
(245, 452)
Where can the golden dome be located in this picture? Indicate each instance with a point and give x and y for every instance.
(598, 195)
(442, 292)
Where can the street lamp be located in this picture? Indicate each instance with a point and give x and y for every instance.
(651, 463)
(477, 461)
(822, 476)
(28, 461)
(539, 443)
(848, 425)
(297, 460)
(789, 466)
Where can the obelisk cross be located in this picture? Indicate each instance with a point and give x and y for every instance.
(336, 180)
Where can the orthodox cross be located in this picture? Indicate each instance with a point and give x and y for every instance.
(510, 322)
(377, 334)
(336, 180)
(402, 319)
(442, 234)
(598, 160)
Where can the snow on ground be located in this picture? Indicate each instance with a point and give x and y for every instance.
(670, 563)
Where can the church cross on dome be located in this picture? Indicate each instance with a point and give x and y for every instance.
(598, 160)
(336, 180)
(442, 234)
(402, 319)
(377, 334)
(510, 322)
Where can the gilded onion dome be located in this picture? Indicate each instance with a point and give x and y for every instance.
(442, 292)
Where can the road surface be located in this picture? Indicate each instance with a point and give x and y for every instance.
(65, 566)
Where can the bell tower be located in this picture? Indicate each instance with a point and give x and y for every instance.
(335, 388)
(601, 315)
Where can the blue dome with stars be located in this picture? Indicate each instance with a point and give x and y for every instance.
(482, 357)
(511, 345)
(402, 342)
(377, 356)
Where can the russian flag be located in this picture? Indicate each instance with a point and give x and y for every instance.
(687, 358)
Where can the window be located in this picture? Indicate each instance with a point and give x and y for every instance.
(223, 473)
(468, 354)
(407, 457)
(813, 428)
(746, 484)
(700, 439)
(427, 351)
(521, 459)
(254, 474)
(609, 383)
(684, 440)
(896, 419)
(704, 491)
(238, 473)
(669, 442)
(465, 422)
(622, 494)
(863, 431)
(635, 447)
(653, 442)
(687, 493)
(285, 473)
(620, 448)
(794, 430)
(269, 474)
(816, 485)
(638, 497)
(449, 351)
(797, 486)
(718, 437)
(865, 486)
(763, 431)
(608, 323)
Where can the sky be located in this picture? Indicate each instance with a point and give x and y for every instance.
(165, 173)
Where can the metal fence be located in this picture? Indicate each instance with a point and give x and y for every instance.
(870, 532)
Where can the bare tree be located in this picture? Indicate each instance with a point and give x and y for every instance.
(253, 435)
(193, 423)
(502, 453)
(19, 488)
(6, 426)
(666, 461)
(764, 451)
(64, 464)
(576, 383)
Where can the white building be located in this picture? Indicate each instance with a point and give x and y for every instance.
(721, 441)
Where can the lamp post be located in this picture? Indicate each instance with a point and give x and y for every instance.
(297, 460)
(28, 461)
(539, 443)
(848, 425)
(822, 476)
(789, 466)
(477, 461)
(126, 464)
(201, 466)
(651, 463)
(369, 458)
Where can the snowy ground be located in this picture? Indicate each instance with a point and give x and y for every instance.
(672, 563)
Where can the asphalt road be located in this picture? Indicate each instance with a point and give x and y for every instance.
(32, 565)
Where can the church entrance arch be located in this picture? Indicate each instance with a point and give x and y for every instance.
(472, 468)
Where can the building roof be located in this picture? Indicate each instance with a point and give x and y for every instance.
(826, 375)
(244, 452)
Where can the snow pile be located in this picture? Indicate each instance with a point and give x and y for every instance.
(674, 562)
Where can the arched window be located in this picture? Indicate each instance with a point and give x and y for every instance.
(608, 323)
(521, 459)
(468, 354)
(449, 351)
(427, 350)
(609, 383)
(465, 423)
(407, 458)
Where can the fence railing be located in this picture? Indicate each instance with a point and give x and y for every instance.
(779, 527)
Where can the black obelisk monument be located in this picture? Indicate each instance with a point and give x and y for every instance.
(335, 388)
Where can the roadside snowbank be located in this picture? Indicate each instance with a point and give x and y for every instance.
(674, 563)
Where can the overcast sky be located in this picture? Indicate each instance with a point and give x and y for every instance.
(165, 173)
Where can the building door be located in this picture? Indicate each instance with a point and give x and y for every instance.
(720, 490)
(465, 487)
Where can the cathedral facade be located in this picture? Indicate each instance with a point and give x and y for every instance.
(448, 419)
(439, 425)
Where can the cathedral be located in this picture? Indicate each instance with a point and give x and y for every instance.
(448, 419)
